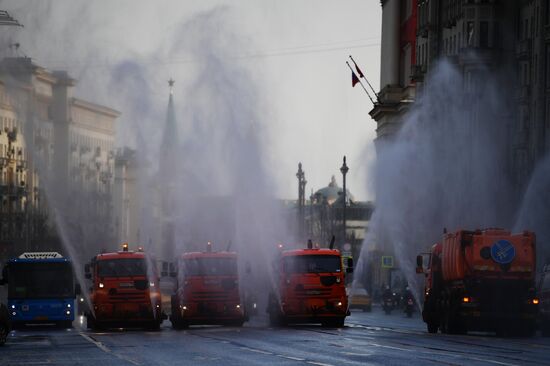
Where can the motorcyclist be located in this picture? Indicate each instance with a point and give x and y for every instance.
(408, 301)
(388, 301)
(387, 294)
(407, 294)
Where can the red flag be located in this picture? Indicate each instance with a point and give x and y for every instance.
(354, 79)
(358, 70)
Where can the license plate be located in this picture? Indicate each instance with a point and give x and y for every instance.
(313, 292)
(126, 284)
(41, 318)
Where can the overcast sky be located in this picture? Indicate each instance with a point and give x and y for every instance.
(295, 50)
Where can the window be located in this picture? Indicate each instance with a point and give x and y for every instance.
(470, 34)
(483, 34)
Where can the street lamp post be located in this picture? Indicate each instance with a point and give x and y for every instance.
(344, 169)
(301, 198)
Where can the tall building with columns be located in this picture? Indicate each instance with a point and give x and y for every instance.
(50, 141)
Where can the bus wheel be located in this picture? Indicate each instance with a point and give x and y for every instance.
(65, 324)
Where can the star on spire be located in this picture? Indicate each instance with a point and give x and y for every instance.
(171, 83)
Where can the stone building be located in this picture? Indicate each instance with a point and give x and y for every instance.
(507, 37)
(50, 142)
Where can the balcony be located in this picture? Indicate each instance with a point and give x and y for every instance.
(524, 94)
(547, 33)
(524, 49)
(417, 72)
(423, 30)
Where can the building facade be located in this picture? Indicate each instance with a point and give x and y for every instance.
(51, 142)
(507, 37)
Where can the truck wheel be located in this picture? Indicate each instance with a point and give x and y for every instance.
(235, 323)
(4, 331)
(90, 321)
(93, 324)
(432, 327)
(276, 319)
(334, 323)
(153, 326)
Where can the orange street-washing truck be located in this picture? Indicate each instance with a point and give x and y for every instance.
(207, 290)
(310, 287)
(481, 280)
(125, 291)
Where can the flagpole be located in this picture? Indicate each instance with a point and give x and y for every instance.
(359, 80)
(364, 77)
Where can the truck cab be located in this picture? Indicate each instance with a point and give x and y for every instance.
(207, 290)
(310, 287)
(124, 291)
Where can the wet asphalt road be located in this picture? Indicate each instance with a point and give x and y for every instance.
(368, 339)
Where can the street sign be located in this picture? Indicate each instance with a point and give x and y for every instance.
(503, 252)
(387, 261)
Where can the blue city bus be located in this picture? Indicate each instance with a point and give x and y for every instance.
(41, 289)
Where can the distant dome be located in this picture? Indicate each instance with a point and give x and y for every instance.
(331, 193)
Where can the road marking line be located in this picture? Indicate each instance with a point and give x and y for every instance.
(292, 358)
(104, 348)
(99, 345)
(495, 362)
(318, 363)
(390, 347)
(257, 350)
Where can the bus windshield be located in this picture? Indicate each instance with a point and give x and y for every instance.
(40, 280)
(210, 267)
(124, 267)
(312, 264)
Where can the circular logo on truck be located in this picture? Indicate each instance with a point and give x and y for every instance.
(503, 252)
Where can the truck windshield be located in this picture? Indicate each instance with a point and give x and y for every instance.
(312, 264)
(124, 267)
(210, 267)
(40, 280)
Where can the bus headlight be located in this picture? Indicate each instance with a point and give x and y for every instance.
(238, 306)
(14, 313)
(13, 306)
(68, 305)
(68, 312)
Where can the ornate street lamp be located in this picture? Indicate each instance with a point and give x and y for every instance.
(344, 169)
(301, 197)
